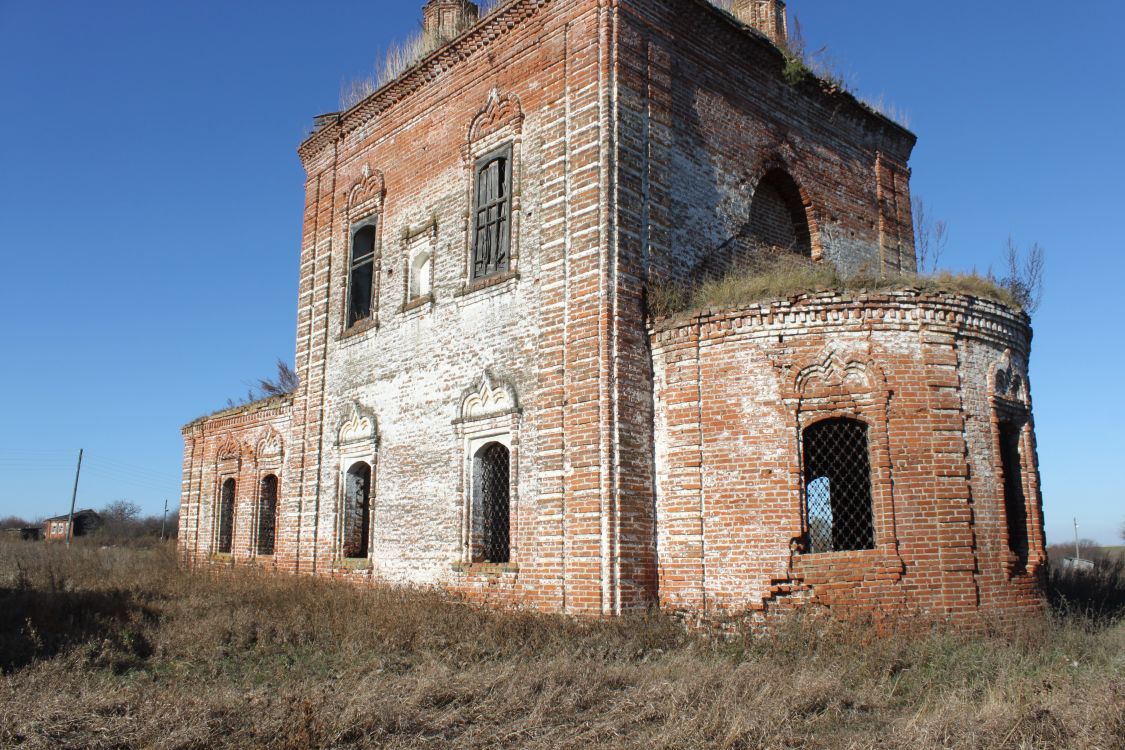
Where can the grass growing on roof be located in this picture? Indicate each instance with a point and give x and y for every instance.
(780, 275)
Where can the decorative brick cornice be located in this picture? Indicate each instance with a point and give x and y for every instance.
(959, 313)
(495, 25)
(268, 408)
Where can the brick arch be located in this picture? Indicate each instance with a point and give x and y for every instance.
(775, 174)
(499, 111)
(368, 188)
(229, 449)
(270, 445)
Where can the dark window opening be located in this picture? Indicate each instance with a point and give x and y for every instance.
(491, 470)
(1015, 502)
(357, 511)
(226, 516)
(492, 214)
(838, 499)
(361, 275)
(777, 215)
(267, 515)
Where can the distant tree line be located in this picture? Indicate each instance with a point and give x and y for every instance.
(121, 523)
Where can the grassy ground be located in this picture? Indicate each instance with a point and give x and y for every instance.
(118, 648)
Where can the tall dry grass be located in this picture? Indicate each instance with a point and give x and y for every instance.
(401, 56)
(778, 274)
(120, 648)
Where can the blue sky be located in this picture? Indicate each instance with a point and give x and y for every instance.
(151, 204)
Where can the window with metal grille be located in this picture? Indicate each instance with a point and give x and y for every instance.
(1015, 502)
(837, 472)
(267, 514)
(226, 516)
(492, 213)
(491, 469)
(357, 510)
(361, 274)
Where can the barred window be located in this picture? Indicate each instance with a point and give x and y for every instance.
(357, 510)
(226, 516)
(837, 473)
(361, 274)
(267, 514)
(492, 208)
(492, 499)
(1015, 502)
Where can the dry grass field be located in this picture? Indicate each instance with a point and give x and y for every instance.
(118, 648)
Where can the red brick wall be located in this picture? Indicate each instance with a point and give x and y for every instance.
(706, 113)
(734, 391)
(244, 444)
(639, 133)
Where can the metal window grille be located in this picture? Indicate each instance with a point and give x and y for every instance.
(267, 515)
(226, 516)
(492, 210)
(495, 502)
(837, 475)
(1015, 502)
(361, 274)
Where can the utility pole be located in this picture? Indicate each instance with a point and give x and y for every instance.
(73, 497)
(1077, 551)
(164, 521)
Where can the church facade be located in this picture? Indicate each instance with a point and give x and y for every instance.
(488, 403)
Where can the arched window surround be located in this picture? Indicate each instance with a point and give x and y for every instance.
(357, 445)
(843, 385)
(496, 131)
(489, 413)
(774, 170)
(1013, 447)
(362, 211)
(228, 468)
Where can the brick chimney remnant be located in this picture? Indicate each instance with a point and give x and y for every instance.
(448, 18)
(767, 16)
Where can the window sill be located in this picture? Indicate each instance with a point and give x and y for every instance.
(359, 328)
(425, 303)
(488, 570)
(849, 566)
(354, 563)
(488, 286)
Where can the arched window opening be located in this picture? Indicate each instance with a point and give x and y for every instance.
(1015, 501)
(777, 214)
(492, 504)
(421, 269)
(492, 208)
(267, 514)
(226, 516)
(357, 511)
(837, 473)
(361, 274)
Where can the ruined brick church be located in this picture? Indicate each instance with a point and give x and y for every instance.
(488, 404)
